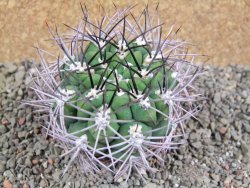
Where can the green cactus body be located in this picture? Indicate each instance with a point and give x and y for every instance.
(103, 81)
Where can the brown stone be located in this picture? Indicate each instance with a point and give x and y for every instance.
(4, 121)
(50, 161)
(223, 130)
(34, 161)
(26, 185)
(36, 130)
(21, 120)
(227, 181)
(58, 79)
(7, 184)
(226, 167)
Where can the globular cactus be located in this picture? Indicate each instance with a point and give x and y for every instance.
(121, 93)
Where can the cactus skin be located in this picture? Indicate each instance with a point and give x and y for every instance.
(117, 97)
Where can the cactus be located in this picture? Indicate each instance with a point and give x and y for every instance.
(119, 95)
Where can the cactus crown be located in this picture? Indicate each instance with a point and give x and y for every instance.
(116, 99)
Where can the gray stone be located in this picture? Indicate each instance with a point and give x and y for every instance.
(12, 121)
(21, 134)
(27, 171)
(11, 68)
(212, 126)
(193, 136)
(178, 163)
(31, 183)
(10, 175)
(217, 137)
(109, 177)
(35, 170)
(166, 184)
(151, 185)
(247, 100)
(157, 175)
(215, 177)
(19, 76)
(67, 185)
(246, 126)
(119, 180)
(56, 176)
(2, 83)
(19, 176)
(40, 146)
(197, 145)
(3, 129)
(77, 184)
(245, 148)
(2, 166)
(43, 183)
(182, 149)
(210, 149)
(28, 162)
(224, 121)
(20, 92)
(11, 163)
(217, 97)
(137, 182)
(235, 135)
(1, 178)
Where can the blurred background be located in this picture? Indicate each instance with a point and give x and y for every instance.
(221, 28)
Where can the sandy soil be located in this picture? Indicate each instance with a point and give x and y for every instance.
(220, 28)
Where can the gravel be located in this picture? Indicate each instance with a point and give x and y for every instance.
(217, 153)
